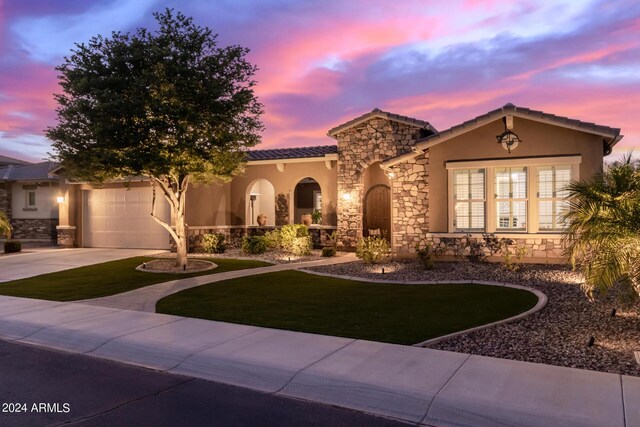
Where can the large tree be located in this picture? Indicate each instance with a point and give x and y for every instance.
(170, 105)
(603, 233)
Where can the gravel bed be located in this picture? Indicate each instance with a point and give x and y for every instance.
(556, 335)
(167, 265)
(274, 257)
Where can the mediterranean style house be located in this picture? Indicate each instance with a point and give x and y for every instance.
(388, 175)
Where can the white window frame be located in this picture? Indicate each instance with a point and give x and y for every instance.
(554, 199)
(28, 203)
(511, 200)
(469, 201)
(532, 165)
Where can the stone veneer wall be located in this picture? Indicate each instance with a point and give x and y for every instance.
(234, 234)
(410, 207)
(44, 229)
(5, 198)
(358, 148)
(538, 248)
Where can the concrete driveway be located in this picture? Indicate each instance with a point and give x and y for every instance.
(36, 262)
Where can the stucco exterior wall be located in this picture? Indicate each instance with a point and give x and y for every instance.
(46, 205)
(284, 183)
(208, 204)
(538, 139)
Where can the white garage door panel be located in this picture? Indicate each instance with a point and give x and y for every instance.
(120, 218)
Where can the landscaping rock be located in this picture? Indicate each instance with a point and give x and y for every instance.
(556, 335)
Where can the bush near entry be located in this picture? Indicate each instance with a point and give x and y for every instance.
(254, 245)
(372, 250)
(213, 243)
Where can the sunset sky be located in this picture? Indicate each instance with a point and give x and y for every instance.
(324, 62)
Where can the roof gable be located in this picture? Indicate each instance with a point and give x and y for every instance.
(610, 135)
(377, 113)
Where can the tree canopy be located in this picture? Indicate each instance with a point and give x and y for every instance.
(168, 104)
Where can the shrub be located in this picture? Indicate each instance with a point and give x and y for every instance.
(512, 261)
(254, 245)
(316, 217)
(5, 226)
(328, 251)
(11, 246)
(213, 243)
(295, 239)
(272, 239)
(372, 250)
(426, 255)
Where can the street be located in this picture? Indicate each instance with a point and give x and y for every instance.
(43, 387)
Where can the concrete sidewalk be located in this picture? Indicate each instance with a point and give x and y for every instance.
(145, 299)
(416, 385)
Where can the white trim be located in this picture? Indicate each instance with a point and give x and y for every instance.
(521, 161)
(326, 157)
(531, 164)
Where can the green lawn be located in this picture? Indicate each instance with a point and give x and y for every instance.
(297, 301)
(104, 279)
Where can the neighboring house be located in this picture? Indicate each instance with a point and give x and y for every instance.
(388, 175)
(28, 195)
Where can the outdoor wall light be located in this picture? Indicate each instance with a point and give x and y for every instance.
(60, 199)
(346, 196)
(508, 139)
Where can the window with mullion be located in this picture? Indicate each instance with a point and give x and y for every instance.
(469, 199)
(511, 198)
(552, 194)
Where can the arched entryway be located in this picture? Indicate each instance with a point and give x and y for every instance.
(307, 199)
(377, 212)
(260, 199)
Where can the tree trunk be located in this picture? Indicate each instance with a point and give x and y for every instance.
(174, 191)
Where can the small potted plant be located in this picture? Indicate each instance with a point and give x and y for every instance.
(262, 220)
(316, 217)
(306, 219)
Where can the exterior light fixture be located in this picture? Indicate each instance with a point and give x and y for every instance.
(346, 196)
(60, 199)
(508, 139)
(252, 198)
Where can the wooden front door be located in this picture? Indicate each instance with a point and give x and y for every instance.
(377, 211)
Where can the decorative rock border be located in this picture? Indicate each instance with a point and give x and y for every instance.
(142, 268)
(542, 299)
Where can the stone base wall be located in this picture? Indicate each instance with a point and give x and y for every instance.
(538, 249)
(410, 203)
(233, 235)
(66, 236)
(5, 198)
(35, 229)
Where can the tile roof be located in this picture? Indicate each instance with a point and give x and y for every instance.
(292, 153)
(376, 112)
(6, 160)
(37, 171)
(527, 112)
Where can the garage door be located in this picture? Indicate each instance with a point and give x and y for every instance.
(120, 218)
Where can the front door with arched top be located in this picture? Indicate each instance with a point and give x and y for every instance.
(377, 212)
